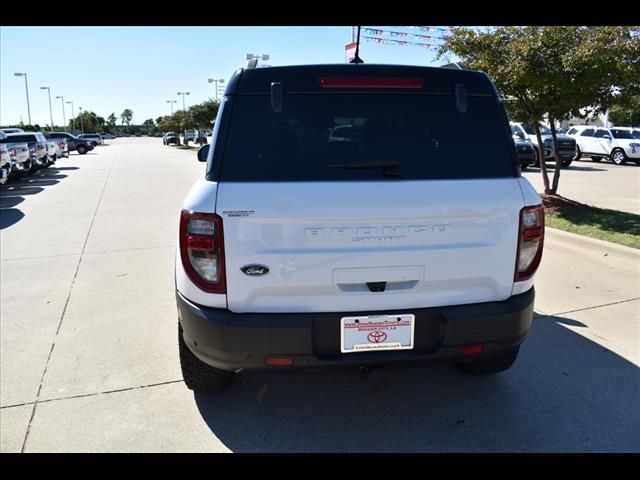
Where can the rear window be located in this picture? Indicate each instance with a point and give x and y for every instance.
(333, 137)
(22, 138)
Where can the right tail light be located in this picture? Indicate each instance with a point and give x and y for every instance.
(530, 242)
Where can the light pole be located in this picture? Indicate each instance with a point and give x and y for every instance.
(64, 118)
(73, 116)
(183, 94)
(220, 81)
(26, 87)
(81, 125)
(50, 111)
(172, 102)
(253, 59)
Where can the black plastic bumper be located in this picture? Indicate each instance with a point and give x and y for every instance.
(234, 341)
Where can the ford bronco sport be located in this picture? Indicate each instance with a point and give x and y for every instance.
(408, 236)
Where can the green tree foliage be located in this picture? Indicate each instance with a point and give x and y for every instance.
(628, 114)
(553, 72)
(203, 114)
(126, 116)
(111, 121)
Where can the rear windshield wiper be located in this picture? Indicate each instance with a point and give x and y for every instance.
(364, 165)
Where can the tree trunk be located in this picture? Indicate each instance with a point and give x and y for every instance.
(556, 174)
(543, 165)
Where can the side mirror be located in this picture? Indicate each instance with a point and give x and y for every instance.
(203, 153)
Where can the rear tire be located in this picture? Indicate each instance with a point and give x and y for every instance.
(198, 376)
(578, 153)
(82, 149)
(487, 366)
(566, 163)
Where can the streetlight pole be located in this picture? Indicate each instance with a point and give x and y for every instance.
(216, 81)
(81, 125)
(26, 87)
(64, 118)
(253, 59)
(183, 94)
(73, 116)
(172, 102)
(50, 111)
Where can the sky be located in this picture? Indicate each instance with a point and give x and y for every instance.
(108, 69)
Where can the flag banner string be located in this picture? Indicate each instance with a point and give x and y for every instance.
(389, 41)
(395, 34)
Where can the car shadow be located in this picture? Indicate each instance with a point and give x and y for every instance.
(63, 168)
(10, 201)
(565, 393)
(9, 216)
(12, 189)
(585, 169)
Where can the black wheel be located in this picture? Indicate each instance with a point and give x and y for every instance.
(487, 366)
(199, 376)
(578, 153)
(618, 156)
(596, 159)
(566, 162)
(95, 144)
(82, 149)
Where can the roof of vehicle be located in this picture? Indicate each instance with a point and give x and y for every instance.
(306, 78)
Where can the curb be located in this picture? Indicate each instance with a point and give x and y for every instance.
(593, 243)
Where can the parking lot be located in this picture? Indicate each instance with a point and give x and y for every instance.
(600, 184)
(89, 358)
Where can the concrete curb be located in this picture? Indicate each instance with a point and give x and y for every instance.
(591, 243)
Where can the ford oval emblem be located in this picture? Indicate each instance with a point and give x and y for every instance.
(255, 270)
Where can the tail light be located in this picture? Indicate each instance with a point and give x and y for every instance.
(530, 242)
(202, 250)
(369, 82)
(32, 148)
(12, 152)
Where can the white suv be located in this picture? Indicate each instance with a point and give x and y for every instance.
(400, 242)
(615, 144)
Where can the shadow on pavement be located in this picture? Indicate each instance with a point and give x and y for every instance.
(9, 216)
(64, 168)
(573, 166)
(564, 393)
(10, 201)
(18, 189)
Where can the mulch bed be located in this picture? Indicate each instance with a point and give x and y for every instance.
(555, 203)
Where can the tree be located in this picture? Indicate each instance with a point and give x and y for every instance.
(203, 114)
(553, 72)
(111, 121)
(626, 115)
(126, 116)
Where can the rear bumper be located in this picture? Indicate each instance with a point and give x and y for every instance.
(233, 341)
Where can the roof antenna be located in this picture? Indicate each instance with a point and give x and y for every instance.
(356, 57)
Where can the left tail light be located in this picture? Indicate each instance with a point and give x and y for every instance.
(530, 242)
(202, 250)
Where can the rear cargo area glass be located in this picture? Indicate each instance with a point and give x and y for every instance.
(351, 137)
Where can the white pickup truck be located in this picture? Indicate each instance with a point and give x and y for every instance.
(402, 242)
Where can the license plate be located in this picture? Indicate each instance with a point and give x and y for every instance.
(376, 332)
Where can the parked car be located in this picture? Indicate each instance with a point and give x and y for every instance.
(74, 144)
(170, 137)
(566, 144)
(38, 149)
(5, 164)
(526, 151)
(400, 247)
(107, 136)
(19, 155)
(190, 135)
(615, 144)
(53, 151)
(94, 138)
